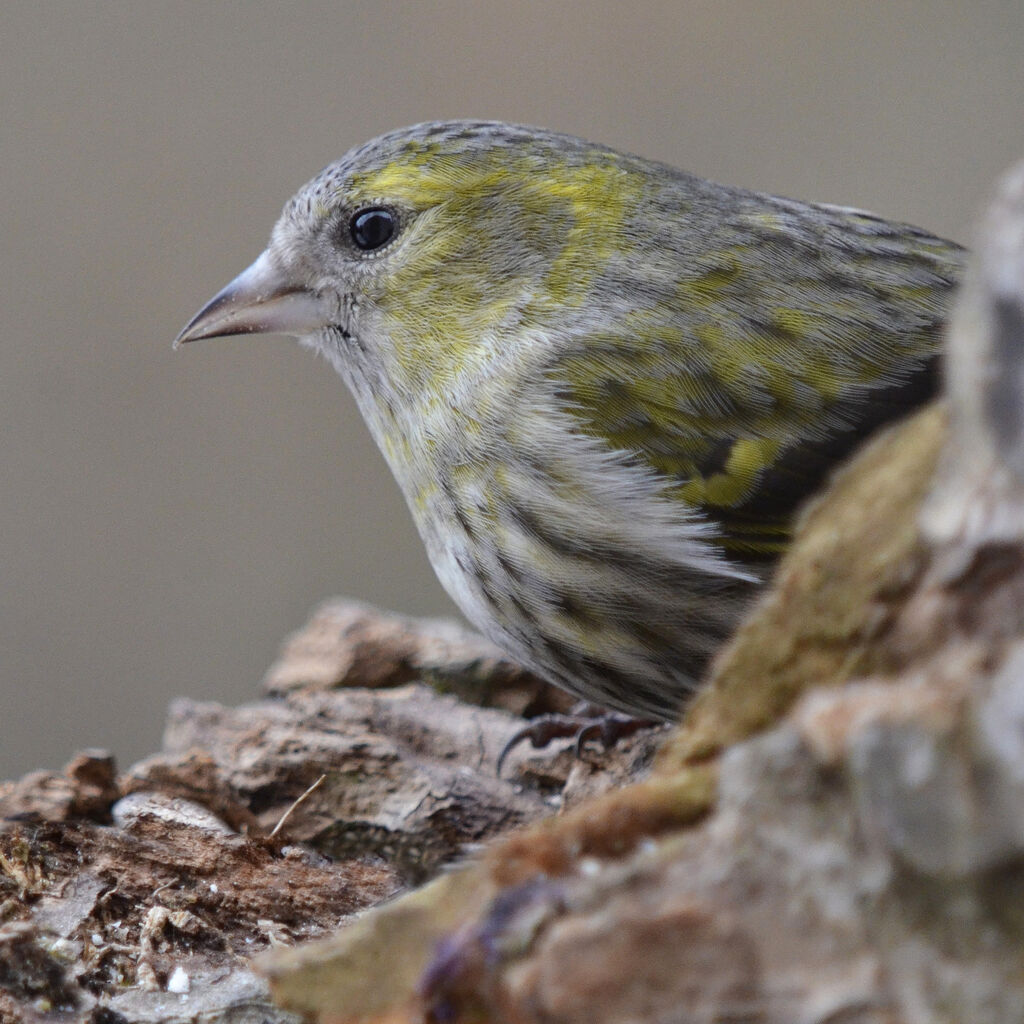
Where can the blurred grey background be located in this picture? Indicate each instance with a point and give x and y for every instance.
(165, 518)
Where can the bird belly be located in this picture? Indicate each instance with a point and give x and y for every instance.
(582, 569)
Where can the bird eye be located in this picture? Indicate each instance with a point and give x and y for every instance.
(372, 228)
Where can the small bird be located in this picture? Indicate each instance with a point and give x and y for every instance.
(603, 385)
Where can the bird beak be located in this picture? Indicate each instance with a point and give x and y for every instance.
(261, 300)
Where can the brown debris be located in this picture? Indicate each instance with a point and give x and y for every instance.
(85, 789)
(126, 895)
(169, 884)
(31, 976)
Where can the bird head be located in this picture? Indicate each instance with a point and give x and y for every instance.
(431, 245)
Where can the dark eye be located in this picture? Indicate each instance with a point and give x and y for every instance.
(372, 228)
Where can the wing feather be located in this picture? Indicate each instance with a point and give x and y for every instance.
(762, 365)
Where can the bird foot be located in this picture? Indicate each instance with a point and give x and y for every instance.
(585, 724)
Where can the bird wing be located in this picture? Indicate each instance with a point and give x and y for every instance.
(757, 372)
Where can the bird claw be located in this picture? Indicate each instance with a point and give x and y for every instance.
(607, 727)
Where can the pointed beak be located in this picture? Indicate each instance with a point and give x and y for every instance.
(261, 300)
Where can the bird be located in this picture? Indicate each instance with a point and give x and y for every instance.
(604, 385)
